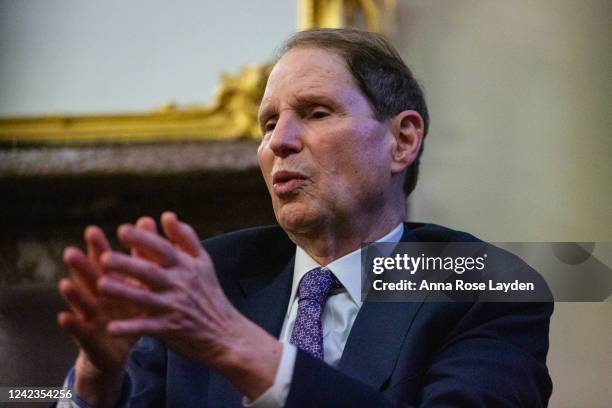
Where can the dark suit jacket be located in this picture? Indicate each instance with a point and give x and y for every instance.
(460, 354)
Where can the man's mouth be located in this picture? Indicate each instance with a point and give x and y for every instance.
(285, 182)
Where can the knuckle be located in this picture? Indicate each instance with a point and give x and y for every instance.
(169, 254)
(174, 322)
(150, 269)
(171, 257)
(181, 298)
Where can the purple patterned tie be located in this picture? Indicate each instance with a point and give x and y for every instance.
(314, 288)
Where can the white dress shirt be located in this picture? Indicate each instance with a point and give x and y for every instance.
(337, 318)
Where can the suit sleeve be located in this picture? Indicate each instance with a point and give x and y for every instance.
(495, 356)
(144, 385)
(146, 370)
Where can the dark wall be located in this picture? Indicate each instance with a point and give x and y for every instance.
(46, 202)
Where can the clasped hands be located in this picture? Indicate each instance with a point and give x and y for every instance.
(168, 289)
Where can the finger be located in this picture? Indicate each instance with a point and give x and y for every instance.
(96, 242)
(140, 327)
(79, 301)
(142, 270)
(181, 234)
(76, 328)
(158, 248)
(116, 289)
(70, 322)
(145, 224)
(81, 268)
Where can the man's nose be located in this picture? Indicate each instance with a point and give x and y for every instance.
(286, 137)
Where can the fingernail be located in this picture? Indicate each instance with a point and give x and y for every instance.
(69, 253)
(124, 230)
(91, 229)
(106, 259)
(113, 327)
(169, 214)
(103, 284)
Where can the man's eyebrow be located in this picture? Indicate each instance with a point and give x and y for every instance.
(307, 98)
(315, 98)
(264, 109)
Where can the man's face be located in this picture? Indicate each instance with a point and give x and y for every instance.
(324, 156)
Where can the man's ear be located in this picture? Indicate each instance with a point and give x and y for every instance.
(408, 130)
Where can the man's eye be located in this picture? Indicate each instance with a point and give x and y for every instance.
(269, 126)
(319, 114)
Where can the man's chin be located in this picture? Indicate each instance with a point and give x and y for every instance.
(296, 218)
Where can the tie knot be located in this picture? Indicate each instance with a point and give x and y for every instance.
(316, 284)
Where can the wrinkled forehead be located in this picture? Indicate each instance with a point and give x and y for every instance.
(309, 69)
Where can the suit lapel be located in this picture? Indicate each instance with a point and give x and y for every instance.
(267, 297)
(378, 332)
(265, 302)
(375, 340)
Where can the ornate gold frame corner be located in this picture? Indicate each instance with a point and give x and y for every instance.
(232, 115)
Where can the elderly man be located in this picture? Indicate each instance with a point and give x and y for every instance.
(273, 316)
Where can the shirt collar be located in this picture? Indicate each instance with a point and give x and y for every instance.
(347, 268)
